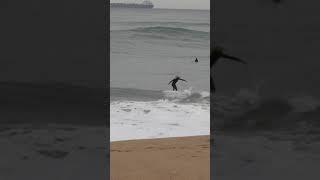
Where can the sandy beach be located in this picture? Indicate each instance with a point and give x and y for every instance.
(183, 158)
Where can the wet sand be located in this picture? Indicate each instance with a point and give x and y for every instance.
(185, 158)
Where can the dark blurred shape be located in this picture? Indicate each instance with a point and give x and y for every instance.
(53, 89)
(216, 54)
(52, 52)
(277, 1)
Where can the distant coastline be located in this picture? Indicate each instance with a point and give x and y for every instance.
(144, 5)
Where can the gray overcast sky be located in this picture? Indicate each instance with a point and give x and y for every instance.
(175, 4)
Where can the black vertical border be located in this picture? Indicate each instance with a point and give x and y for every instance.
(212, 26)
(107, 83)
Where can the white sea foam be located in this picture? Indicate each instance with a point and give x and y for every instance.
(157, 119)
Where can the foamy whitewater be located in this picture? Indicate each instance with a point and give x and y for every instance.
(149, 47)
(177, 114)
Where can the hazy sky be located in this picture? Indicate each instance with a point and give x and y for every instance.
(175, 4)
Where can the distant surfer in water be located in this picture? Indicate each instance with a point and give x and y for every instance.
(196, 61)
(174, 81)
(216, 54)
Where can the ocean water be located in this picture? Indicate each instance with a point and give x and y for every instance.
(279, 88)
(149, 47)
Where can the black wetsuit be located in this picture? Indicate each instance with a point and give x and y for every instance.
(216, 54)
(174, 81)
(196, 60)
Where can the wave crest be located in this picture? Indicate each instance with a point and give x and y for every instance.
(168, 30)
(163, 32)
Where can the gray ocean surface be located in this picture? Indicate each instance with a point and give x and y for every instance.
(149, 47)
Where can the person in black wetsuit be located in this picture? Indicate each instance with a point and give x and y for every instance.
(174, 81)
(216, 54)
(196, 60)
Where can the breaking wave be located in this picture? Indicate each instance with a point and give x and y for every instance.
(184, 96)
(141, 114)
(187, 96)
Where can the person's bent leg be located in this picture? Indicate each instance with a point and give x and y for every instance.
(175, 87)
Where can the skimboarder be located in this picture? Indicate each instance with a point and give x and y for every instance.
(174, 81)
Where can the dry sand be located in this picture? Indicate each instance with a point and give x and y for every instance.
(185, 158)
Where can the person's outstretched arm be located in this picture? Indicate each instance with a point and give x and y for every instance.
(182, 80)
(170, 81)
(233, 58)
